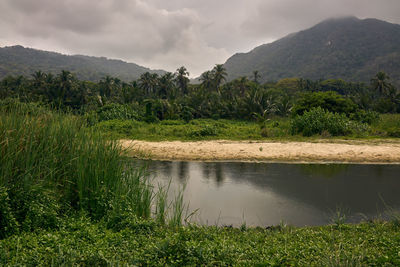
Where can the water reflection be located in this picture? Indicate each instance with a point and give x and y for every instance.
(324, 170)
(183, 171)
(264, 194)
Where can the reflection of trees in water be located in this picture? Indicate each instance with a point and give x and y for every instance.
(323, 170)
(207, 170)
(212, 170)
(356, 186)
(239, 171)
(143, 166)
(219, 176)
(183, 171)
(166, 167)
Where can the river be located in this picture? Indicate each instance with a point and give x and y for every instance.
(264, 194)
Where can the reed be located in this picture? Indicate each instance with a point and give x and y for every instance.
(52, 161)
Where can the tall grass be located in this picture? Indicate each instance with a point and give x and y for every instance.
(54, 150)
(162, 203)
(52, 164)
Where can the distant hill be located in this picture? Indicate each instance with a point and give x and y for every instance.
(347, 48)
(18, 60)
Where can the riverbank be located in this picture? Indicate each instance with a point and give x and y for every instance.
(348, 151)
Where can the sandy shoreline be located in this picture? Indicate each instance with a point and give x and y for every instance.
(222, 150)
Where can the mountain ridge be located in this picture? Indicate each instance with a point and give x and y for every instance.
(19, 60)
(335, 48)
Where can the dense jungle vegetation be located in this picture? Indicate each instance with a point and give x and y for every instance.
(169, 107)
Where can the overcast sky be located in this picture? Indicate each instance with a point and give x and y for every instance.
(166, 34)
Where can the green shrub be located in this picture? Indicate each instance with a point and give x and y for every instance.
(206, 130)
(272, 132)
(330, 101)
(119, 126)
(187, 114)
(116, 111)
(387, 123)
(393, 132)
(385, 105)
(38, 208)
(359, 128)
(365, 116)
(8, 223)
(171, 122)
(91, 118)
(128, 220)
(318, 120)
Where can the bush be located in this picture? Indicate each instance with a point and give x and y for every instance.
(393, 132)
(38, 208)
(128, 220)
(385, 105)
(272, 132)
(206, 130)
(8, 223)
(171, 122)
(187, 114)
(330, 101)
(119, 126)
(116, 111)
(365, 116)
(318, 120)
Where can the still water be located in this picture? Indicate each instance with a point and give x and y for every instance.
(263, 194)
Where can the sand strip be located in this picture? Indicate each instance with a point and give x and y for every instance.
(354, 152)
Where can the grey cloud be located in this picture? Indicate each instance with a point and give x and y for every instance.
(135, 30)
(76, 16)
(276, 18)
(168, 34)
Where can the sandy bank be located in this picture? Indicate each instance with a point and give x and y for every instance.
(352, 152)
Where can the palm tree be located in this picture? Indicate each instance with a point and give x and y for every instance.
(39, 77)
(256, 76)
(39, 82)
(207, 79)
(148, 82)
(49, 78)
(381, 83)
(242, 85)
(219, 74)
(166, 85)
(64, 80)
(284, 105)
(107, 84)
(182, 79)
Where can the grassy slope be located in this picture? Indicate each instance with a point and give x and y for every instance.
(85, 243)
(207, 129)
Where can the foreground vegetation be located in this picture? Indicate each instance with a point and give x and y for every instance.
(53, 166)
(79, 241)
(67, 198)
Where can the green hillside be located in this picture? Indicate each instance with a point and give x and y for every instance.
(17, 60)
(346, 48)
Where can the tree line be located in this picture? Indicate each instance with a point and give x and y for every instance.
(171, 95)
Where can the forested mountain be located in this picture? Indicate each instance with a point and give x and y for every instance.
(346, 48)
(18, 60)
